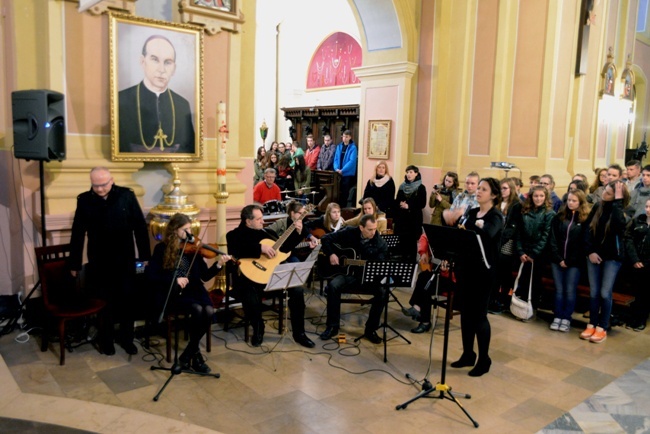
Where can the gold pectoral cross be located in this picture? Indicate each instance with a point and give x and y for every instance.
(160, 137)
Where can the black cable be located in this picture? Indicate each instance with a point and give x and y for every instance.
(329, 355)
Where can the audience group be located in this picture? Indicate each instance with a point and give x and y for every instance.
(586, 235)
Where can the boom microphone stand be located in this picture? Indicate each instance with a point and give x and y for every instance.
(446, 242)
(176, 368)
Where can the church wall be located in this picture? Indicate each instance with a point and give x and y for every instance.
(483, 77)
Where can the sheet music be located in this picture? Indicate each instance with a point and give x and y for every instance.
(289, 275)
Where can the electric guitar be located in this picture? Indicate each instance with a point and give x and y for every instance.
(347, 261)
(259, 270)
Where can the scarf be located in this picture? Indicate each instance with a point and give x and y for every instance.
(337, 226)
(380, 182)
(411, 187)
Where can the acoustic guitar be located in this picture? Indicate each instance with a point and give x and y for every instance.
(259, 270)
(347, 261)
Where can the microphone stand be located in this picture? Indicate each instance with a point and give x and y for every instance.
(176, 368)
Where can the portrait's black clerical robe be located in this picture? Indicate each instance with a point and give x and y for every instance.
(155, 112)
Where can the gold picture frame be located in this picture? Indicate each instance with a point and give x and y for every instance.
(379, 140)
(156, 88)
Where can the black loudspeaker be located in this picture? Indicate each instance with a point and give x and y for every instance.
(39, 127)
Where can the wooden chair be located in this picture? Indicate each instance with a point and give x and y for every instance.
(61, 298)
(172, 319)
(276, 299)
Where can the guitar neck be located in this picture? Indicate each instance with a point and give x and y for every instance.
(288, 232)
(359, 262)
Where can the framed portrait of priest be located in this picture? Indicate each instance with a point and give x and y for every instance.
(156, 77)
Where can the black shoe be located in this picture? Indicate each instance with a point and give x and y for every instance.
(129, 347)
(329, 332)
(639, 327)
(496, 308)
(465, 360)
(482, 367)
(107, 348)
(198, 364)
(258, 334)
(303, 340)
(184, 361)
(257, 339)
(412, 312)
(423, 327)
(373, 337)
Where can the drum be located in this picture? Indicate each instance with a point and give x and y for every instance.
(272, 207)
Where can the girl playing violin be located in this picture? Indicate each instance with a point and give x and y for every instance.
(188, 295)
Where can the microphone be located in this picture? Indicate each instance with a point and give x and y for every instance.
(190, 236)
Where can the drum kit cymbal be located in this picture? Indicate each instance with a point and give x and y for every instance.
(286, 191)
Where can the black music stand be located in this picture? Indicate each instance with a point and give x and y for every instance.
(392, 240)
(449, 244)
(389, 275)
(176, 368)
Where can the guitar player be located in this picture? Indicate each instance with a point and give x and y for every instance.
(295, 211)
(248, 241)
(366, 242)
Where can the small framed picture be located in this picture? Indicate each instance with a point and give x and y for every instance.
(379, 140)
(155, 83)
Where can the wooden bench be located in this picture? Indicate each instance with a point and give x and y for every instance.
(619, 298)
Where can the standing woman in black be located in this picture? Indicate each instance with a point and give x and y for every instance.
(188, 295)
(475, 279)
(411, 200)
(510, 207)
(381, 188)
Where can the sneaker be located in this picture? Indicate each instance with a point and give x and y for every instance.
(588, 332)
(639, 328)
(555, 325)
(599, 335)
(565, 326)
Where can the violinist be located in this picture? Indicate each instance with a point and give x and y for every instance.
(188, 295)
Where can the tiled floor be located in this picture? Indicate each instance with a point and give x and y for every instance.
(537, 376)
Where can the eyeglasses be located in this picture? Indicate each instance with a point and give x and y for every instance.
(102, 185)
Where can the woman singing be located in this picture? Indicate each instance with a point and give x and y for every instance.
(188, 295)
(475, 279)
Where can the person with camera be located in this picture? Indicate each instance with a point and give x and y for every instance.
(443, 196)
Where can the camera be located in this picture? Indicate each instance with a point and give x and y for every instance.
(437, 187)
(139, 267)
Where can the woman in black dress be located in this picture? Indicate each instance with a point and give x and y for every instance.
(381, 188)
(188, 295)
(411, 200)
(475, 279)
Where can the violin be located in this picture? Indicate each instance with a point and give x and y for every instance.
(207, 251)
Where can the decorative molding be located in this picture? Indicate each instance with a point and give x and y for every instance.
(213, 20)
(125, 6)
(397, 68)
